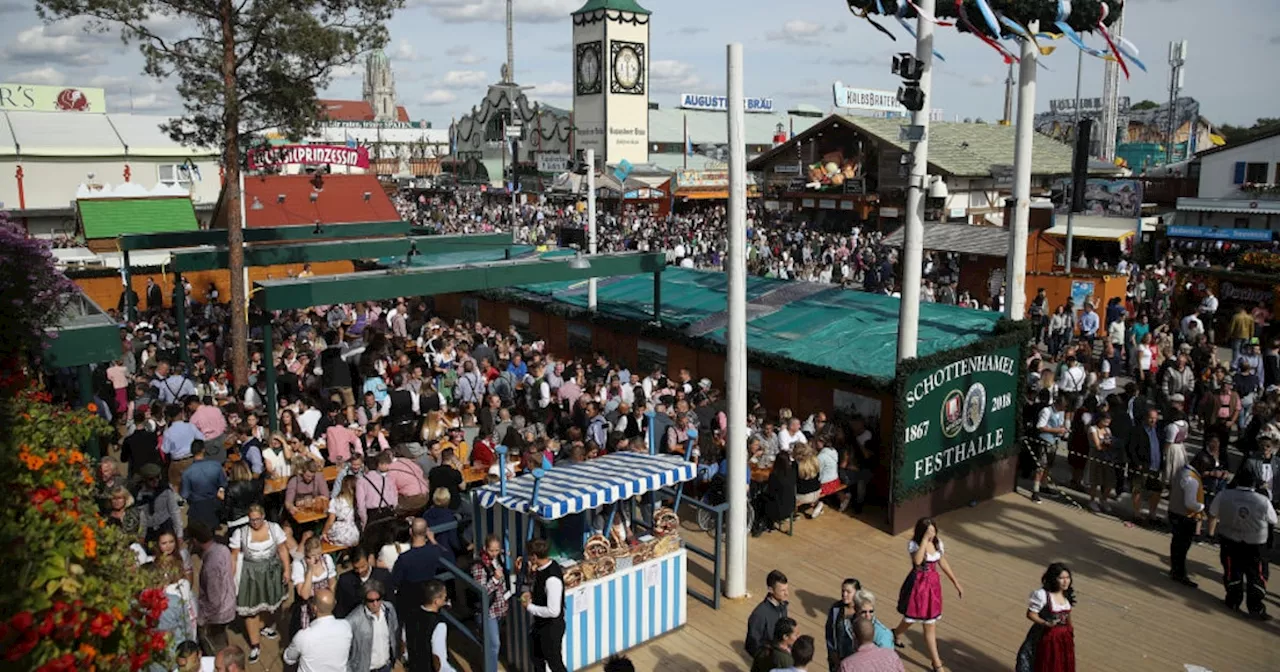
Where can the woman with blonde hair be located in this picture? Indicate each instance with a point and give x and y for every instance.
(808, 483)
(277, 457)
(433, 427)
(260, 556)
(340, 529)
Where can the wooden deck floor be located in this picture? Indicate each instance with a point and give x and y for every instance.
(1129, 618)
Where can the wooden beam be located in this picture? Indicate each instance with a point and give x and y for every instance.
(339, 250)
(381, 285)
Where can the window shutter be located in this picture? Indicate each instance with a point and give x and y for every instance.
(1239, 176)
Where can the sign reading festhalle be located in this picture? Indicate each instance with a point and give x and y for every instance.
(957, 412)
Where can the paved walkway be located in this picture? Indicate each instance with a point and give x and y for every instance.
(1130, 617)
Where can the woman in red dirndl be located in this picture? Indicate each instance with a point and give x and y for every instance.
(920, 599)
(1050, 645)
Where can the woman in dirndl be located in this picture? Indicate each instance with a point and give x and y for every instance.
(1050, 645)
(260, 555)
(920, 600)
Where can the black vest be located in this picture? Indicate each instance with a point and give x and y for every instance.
(401, 404)
(540, 591)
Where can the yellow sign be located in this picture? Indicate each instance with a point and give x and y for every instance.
(38, 98)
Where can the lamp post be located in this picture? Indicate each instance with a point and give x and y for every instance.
(913, 230)
(591, 224)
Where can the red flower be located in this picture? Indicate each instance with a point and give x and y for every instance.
(46, 626)
(158, 641)
(23, 646)
(22, 621)
(102, 625)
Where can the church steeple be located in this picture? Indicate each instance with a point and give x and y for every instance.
(380, 86)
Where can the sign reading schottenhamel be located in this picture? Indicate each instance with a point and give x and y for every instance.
(696, 101)
(957, 412)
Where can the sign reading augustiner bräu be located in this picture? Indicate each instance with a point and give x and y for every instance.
(957, 412)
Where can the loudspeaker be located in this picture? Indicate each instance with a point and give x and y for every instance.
(1080, 164)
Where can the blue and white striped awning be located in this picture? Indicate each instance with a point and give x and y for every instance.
(587, 485)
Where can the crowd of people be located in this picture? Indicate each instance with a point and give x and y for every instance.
(387, 414)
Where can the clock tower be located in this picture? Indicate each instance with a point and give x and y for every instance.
(611, 80)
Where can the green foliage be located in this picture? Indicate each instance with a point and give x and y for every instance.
(1084, 13)
(1007, 333)
(73, 598)
(281, 52)
(1235, 135)
(1144, 105)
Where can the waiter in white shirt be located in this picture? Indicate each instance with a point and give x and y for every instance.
(325, 644)
(545, 603)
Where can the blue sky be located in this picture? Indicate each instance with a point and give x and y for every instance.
(444, 52)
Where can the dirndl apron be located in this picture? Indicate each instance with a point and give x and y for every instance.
(920, 598)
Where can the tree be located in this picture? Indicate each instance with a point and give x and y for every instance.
(241, 66)
(1235, 135)
(1144, 105)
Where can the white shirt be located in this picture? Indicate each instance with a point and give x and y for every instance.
(1243, 515)
(555, 590)
(323, 647)
(1072, 379)
(786, 439)
(440, 646)
(381, 652)
(307, 421)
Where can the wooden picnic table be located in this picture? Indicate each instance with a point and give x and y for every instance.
(274, 485)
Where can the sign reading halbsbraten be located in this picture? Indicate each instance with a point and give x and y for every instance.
(957, 412)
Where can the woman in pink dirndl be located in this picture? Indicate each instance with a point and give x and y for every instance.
(920, 600)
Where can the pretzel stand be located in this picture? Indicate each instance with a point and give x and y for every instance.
(623, 561)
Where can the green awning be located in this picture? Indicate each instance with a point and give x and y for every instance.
(110, 217)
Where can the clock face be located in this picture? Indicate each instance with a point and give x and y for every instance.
(628, 67)
(587, 69)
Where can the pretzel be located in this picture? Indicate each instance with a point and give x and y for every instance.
(596, 547)
(665, 521)
(573, 576)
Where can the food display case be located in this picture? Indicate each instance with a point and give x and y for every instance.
(622, 588)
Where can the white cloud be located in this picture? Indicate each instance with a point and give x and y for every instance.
(47, 75)
(349, 71)
(111, 82)
(147, 102)
(464, 78)
(985, 80)
(553, 89)
(404, 51)
(438, 97)
(672, 76)
(494, 11)
(60, 43)
(796, 32)
(462, 55)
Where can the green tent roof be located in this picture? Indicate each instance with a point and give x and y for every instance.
(824, 326)
(620, 5)
(110, 217)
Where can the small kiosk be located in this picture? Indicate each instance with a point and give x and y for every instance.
(620, 590)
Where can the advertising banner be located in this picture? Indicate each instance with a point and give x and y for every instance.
(334, 155)
(1104, 197)
(553, 163)
(695, 101)
(37, 98)
(396, 125)
(957, 412)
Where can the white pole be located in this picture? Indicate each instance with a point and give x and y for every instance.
(736, 357)
(913, 231)
(1075, 118)
(591, 223)
(1016, 272)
